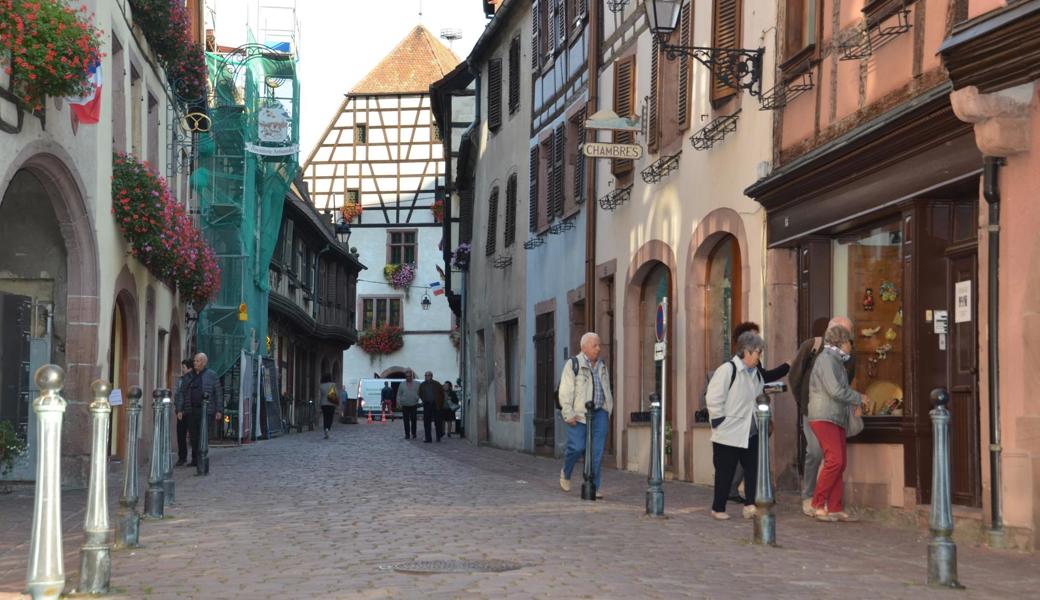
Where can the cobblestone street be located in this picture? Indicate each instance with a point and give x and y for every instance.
(304, 517)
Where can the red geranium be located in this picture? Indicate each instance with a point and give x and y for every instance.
(384, 339)
(167, 26)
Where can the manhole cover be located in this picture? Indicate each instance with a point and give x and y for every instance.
(456, 566)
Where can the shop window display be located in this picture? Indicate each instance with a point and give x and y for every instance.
(867, 277)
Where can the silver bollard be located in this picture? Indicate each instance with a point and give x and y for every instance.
(128, 523)
(95, 566)
(654, 491)
(46, 577)
(942, 552)
(202, 460)
(167, 462)
(155, 497)
(765, 520)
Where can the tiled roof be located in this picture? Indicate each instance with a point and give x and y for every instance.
(416, 62)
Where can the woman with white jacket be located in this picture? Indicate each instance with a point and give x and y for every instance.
(731, 410)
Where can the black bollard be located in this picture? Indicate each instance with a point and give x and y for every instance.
(169, 486)
(128, 523)
(155, 497)
(654, 492)
(588, 488)
(202, 461)
(310, 415)
(765, 520)
(942, 552)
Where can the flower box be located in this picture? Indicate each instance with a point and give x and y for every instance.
(384, 339)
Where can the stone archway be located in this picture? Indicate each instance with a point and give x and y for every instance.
(75, 342)
(395, 372)
(714, 228)
(124, 359)
(650, 255)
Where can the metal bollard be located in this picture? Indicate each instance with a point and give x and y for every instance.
(167, 463)
(655, 493)
(202, 460)
(46, 577)
(95, 565)
(310, 415)
(155, 498)
(942, 552)
(128, 523)
(588, 488)
(765, 520)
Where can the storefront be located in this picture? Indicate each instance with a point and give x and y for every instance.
(883, 222)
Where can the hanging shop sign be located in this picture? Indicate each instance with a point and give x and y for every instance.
(273, 124)
(273, 150)
(605, 150)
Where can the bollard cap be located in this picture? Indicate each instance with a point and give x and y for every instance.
(134, 395)
(100, 390)
(940, 397)
(49, 379)
(157, 393)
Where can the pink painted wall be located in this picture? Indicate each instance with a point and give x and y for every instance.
(977, 7)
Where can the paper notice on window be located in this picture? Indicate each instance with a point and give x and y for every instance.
(962, 302)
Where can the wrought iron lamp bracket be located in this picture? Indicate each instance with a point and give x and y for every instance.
(738, 68)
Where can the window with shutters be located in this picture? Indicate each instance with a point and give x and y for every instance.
(725, 33)
(624, 106)
(494, 94)
(548, 177)
(559, 153)
(535, 169)
(539, 33)
(801, 30)
(492, 222)
(509, 235)
(551, 31)
(400, 247)
(682, 102)
(514, 75)
(562, 24)
(653, 105)
(575, 159)
(381, 311)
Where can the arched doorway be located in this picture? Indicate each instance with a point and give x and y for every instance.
(123, 368)
(722, 296)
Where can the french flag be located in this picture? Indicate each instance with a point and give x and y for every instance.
(437, 289)
(87, 109)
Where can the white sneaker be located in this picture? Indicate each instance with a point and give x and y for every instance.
(807, 508)
(721, 516)
(565, 484)
(749, 511)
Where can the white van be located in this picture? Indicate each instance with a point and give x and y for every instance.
(370, 394)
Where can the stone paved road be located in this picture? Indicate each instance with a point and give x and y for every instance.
(303, 517)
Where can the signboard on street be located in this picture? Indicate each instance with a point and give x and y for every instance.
(659, 351)
(605, 150)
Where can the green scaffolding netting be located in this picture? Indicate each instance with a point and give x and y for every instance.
(246, 162)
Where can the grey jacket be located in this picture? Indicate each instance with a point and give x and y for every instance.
(830, 394)
(210, 385)
(576, 390)
(408, 396)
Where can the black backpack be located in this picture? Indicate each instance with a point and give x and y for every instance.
(574, 367)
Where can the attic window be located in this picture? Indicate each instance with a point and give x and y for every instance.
(360, 133)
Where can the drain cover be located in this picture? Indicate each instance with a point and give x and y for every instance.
(456, 566)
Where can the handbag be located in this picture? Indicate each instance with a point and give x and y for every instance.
(855, 426)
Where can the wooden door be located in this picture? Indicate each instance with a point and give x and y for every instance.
(545, 388)
(962, 377)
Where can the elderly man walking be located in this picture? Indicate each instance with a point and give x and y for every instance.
(201, 380)
(585, 379)
(801, 369)
(432, 395)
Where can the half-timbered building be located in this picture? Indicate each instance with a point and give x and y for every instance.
(378, 169)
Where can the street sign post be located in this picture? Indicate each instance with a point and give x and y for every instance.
(605, 150)
(660, 354)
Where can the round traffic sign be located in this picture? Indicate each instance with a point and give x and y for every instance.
(659, 329)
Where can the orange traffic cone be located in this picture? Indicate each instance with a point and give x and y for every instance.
(369, 416)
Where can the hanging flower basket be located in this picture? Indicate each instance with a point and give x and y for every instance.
(383, 339)
(460, 257)
(48, 49)
(351, 211)
(160, 232)
(399, 276)
(166, 25)
(456, 337)
(438, 211)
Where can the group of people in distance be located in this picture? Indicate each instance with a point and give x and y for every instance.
(820, 377)
(440, 404)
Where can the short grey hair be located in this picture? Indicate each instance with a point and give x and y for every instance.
(837, 335)
(749, 341)
(587, 338)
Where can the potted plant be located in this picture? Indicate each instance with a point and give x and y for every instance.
(438, 210)
(351, 211)
(49, 49)
(460, 257)
(399, 276)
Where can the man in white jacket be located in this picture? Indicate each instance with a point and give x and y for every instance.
(585, 379)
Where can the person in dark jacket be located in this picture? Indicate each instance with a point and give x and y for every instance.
(801, 368)
(329, 402)
(201, 380)
(451, 404)
(182, 425)
(387, 397)
(432, 395)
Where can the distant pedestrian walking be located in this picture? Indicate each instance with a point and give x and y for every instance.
(451, 405)
(329, 402)
(432, 395)
(408, 400)
(584, 379)
(178, 403)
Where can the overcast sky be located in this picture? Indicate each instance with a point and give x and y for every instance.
(342, 40)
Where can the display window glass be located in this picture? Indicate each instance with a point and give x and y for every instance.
(867, 286)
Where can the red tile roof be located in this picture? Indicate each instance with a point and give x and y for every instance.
(419, 60)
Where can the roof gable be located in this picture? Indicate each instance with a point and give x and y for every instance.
(419, 60)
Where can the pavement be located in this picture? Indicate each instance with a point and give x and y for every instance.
(303, 517)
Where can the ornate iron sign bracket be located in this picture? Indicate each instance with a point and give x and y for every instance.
(738, 68)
